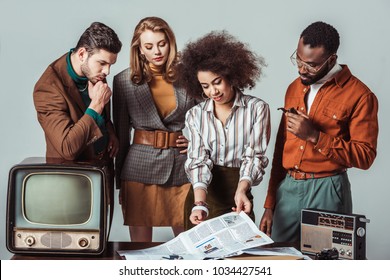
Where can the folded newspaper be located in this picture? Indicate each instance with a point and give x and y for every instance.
(217, 238)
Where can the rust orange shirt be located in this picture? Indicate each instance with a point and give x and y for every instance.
(345, 111)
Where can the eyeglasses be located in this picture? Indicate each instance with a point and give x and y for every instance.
(311, 69)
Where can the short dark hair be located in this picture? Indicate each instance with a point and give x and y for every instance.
(222, 54)
(99, 36)
(322, 34)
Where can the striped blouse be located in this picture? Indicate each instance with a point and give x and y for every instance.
(242, 142)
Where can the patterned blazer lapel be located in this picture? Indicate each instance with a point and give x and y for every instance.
(145, 99)
(180, 104)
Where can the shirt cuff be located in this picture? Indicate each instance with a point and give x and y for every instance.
(200, 185)
(323, 144)
(247, 178)
(94, 115)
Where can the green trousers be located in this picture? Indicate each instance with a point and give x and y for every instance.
(330, 193)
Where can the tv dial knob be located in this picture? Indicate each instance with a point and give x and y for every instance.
(83, 242)
(30, 240)
(360, 232)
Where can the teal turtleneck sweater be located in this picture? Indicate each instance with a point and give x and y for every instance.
(82, 85)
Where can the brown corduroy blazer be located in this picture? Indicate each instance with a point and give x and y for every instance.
(69, 132)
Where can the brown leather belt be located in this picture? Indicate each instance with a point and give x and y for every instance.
(159, 139)
(300, 175)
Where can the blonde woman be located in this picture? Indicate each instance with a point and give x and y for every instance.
(148, 104)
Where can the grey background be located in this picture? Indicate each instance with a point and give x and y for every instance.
(34, 33)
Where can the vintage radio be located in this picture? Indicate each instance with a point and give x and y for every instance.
(325, 230)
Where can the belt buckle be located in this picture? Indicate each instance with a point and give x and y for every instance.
(165, 137)
(298, 175)
(302, 175)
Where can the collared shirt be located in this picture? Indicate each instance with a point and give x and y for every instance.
(345, 111)
(242, 142)
(314, 88)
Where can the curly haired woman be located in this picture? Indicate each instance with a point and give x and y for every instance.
(228, 132)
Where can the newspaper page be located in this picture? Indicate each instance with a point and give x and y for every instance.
(279, 251)
(216, 238)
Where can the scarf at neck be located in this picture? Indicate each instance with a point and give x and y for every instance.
(81, 82)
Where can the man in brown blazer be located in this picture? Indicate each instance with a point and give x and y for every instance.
(72, 99)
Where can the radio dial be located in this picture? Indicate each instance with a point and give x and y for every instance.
(349, 253)
(360, 232)
(83, 242)
(30, 240)
(342, 252)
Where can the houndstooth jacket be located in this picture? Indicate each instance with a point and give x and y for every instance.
(134, 108)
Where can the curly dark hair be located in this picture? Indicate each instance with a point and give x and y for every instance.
(320, 34)
(222, 54)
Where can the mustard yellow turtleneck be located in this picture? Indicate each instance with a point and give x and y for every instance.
(162, 92)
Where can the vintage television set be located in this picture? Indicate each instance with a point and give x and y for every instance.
(57, 207)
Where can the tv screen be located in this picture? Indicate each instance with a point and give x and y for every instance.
(57, 198)
(56, 206)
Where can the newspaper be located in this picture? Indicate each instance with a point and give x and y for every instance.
(279, 251)
(220, 237)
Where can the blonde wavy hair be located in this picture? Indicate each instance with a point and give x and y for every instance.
(139, 68)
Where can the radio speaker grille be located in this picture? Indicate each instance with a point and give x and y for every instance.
(317, 236)
(56, 240)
